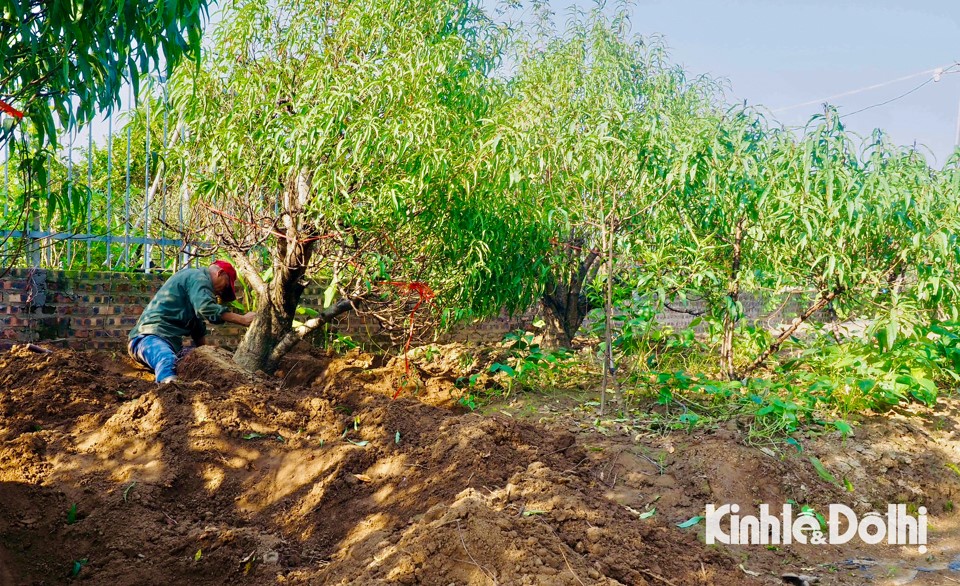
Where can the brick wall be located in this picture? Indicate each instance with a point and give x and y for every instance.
(79, 309)
(96, 310)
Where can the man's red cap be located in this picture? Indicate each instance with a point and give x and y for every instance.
(230, 294)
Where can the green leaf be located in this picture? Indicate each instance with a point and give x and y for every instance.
(843, 427)
(77, 566)
(72, 514)
(808, 511)
(307, 311)
(396, 438)
(127, 490)
(691, 522)
(197, 556)
(648, 514)
(360, 443)
(253, 435)
(497, 367)
(328, 294)
(822, 470)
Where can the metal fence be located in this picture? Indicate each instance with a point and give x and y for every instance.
(106, 203)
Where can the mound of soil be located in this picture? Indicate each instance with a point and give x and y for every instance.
(314, 477)
(910, 456)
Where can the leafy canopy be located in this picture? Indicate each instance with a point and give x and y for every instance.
(69, 58)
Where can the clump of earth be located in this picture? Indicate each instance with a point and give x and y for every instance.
(317, 476)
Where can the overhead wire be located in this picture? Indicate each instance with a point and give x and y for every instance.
(885, 102)
(933, 72)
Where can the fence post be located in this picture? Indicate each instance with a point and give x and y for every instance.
(109, 187)
(146, 199)
(126, 200)
(89, 187)
(163, 182)
(70, 199)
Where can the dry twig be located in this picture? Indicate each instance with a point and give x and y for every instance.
(657, 577)
(486, 572)
(565, 560)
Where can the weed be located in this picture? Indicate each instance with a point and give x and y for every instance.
(528, 364)
(465, 361)
(469, 401)
(429, 353)
(77, 566)
(341, 344)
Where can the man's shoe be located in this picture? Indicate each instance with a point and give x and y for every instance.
(168, 380)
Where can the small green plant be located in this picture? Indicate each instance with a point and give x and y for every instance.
(465, 360)
(342, 344)
(77, 566)
(469, 401)
(72, 514)
(527, 360)
(429, 353)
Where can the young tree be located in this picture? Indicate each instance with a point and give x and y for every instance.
(341, 136)
(593, 123)
(872, 236)
(716, 240)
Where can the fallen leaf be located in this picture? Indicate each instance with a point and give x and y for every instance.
(690, 522)
(748, 572)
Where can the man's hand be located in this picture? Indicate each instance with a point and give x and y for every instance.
(249, 317)
(242, 320)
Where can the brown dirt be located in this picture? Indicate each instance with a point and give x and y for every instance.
(315, 477)
(910, 456)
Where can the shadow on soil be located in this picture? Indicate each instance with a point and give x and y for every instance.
(107, 479)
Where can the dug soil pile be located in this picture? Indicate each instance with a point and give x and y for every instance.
(315, 477)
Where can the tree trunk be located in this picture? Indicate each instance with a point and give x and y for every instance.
(278, 299)
(731, 319)
(562, 321)
(563, 299)
(274, 321)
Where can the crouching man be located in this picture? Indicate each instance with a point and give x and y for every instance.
(179, 309)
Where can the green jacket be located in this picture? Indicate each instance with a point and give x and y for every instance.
(179, 308)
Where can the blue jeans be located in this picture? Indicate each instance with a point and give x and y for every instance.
(155, 353)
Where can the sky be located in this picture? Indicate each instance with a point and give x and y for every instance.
(777, 54)
(780, 53)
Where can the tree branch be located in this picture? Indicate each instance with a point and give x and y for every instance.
(251, 274)
(822, 302)
(326, 316)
